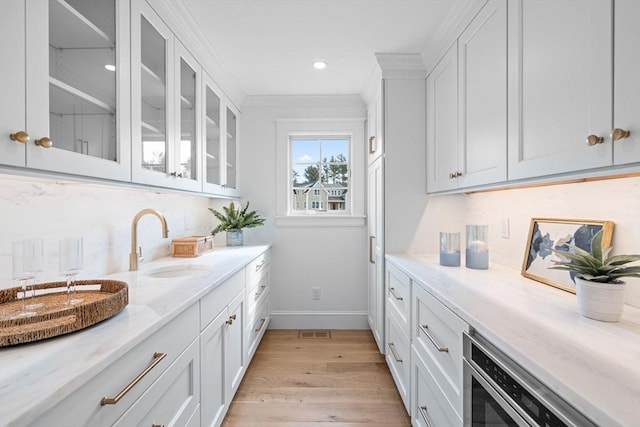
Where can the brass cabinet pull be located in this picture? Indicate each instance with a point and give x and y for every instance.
(392, 291)
(371, 239)
(262, 288)
(372, 144)
(261, 325)
(20, 136)
(176, 174)
(392, 347)
(423, 413)
(618, 133)
(594, 140)
(231, 319)
(157, 425)
(424, 328)
(259, 266)
(157, 358)
(44, 142)
(455, 174)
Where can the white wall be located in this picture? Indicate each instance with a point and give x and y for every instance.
(332, 258)
(616, 200)
(102, 215)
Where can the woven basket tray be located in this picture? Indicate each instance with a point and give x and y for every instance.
(102, 299)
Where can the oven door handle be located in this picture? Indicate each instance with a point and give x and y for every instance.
(507, 404)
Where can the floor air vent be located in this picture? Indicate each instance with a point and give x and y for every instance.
(306, 334)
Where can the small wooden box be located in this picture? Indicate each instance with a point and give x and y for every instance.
(192, 246)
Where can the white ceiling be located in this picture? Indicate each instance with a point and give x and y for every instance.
(267, 46)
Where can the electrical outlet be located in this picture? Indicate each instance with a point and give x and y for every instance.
(315, 292)
(505, 228)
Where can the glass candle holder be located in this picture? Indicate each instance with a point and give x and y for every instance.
(477, 253)
(450, 249)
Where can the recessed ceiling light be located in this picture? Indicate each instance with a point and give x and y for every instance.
(110, 67)
(319, 65)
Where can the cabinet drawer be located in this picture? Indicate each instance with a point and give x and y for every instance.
(398, 353)
(256, 293)
(257, 326)
(398, 294)
(216, 300)
(429, 406)
(172, 399)
(83, 406)
(437, 337)
(256, 268)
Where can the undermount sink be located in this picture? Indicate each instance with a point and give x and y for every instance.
(177, 271)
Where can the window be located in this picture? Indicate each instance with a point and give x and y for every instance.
(320, 173)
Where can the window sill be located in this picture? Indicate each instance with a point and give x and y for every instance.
(320, 221)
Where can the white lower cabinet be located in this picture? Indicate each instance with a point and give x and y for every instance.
(398, 355)
(429, 407)
(164, 367)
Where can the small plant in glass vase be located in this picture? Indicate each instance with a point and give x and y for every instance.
(597, 276)
(233, 220)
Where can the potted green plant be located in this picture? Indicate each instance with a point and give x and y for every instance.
(599, 289)
(233, 220)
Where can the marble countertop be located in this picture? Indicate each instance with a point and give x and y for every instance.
(594, 366)
(34, 377)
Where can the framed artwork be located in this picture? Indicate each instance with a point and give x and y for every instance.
(550, 233)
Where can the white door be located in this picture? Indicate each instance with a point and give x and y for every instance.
(482, 76)
(374, 129)
(235, 358)
(213, 349)
(626, 107)
(375, 221)
(12, 83)
(560, 90)
(442, 124)
(77, 108)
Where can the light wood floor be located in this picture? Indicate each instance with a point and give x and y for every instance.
(308, 382)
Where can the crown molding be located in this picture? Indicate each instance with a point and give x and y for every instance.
(304, 101)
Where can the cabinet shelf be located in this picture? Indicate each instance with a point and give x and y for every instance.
(73, 30)
(69, 104)
(152, 84)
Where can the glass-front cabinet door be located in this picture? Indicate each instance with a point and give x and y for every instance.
(165, 90)
(72, 88)
(231, 149)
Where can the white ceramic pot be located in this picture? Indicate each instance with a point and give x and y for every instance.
(600, 301)
(234, 238)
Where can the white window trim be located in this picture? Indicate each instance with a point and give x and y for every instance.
(354, 128)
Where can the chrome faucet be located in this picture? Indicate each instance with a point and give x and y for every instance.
(135, 256)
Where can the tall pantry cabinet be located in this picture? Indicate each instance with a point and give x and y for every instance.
(396, 173)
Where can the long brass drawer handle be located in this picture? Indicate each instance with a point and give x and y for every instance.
(393, 292)
(157, 358)
(261, 325)
(157, 425)
(392, 347)
(425, 329)
(262, 288)
(423, 413)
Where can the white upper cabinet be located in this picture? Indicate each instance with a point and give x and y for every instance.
(75, 105)
(442, 123)
(626, 107)
(231, 149)
(375, 133)
(482, 91)
(12, 83)
(467, 106)
(560, 86)
(166, 88)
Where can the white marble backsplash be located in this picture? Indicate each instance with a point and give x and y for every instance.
(53, 209)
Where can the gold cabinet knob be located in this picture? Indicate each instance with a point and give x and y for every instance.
(44, 142)
(20, 136)
(618, 133)
(594, 140)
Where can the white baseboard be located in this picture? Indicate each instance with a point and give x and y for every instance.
(319, 320)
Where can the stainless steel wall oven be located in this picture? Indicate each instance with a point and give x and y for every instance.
(498, 392)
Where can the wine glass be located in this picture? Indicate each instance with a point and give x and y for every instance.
(70, 263)
(27, 260)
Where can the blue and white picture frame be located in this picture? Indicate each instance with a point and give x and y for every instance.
(550, 233)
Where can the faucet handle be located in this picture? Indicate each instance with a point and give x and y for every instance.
(140, 257)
